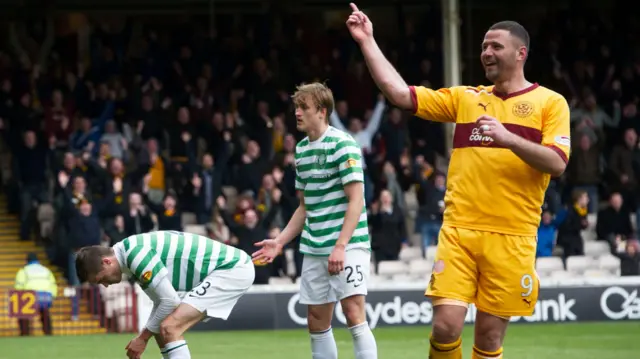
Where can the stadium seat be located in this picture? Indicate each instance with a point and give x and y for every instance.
(390, 268)
(609, 263)
(562, 274)
(188, 218)
(403, 278)
(280, 281)
(431, 253)
(592, 218)
(596, 248)
(596, 273)
(579, 264)
(196, 229)
(547, 265)
(588, 235)
(409, 253)
(420, 266)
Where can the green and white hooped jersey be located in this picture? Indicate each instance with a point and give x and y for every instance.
(185, 258)
(323, 168)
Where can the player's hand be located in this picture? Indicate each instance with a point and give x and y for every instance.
(269, 249)
(135, 348)
(336, 260)
(359, 25)
(491, 127)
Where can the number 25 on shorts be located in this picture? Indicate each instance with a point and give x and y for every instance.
(354, 276)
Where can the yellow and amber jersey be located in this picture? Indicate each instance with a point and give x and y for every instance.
(489, 188)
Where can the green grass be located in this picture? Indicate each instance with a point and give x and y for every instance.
(546, 341)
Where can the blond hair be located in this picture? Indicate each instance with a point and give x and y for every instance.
(321, 96)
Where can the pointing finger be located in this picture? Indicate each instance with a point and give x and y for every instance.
(353, 7)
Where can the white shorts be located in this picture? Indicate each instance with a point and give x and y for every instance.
(219, 291)
(317, 286)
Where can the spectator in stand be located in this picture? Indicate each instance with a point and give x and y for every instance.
(159, 170)
(431, 213)
(207, 181)
(116, 232)
(252, 230)
(252, 164)
(614, 222)
(137, 219)
(30, 167)
(118, 144)
(58, 117)
(569, 232)
(629, 259)
(388, 228)
(585, 168)
(589, 118)
(546, 235)
(622, 168)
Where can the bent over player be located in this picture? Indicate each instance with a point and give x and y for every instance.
(333, 221)
(212, 275)
(510, 138)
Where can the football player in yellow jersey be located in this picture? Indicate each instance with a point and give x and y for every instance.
(510, 138)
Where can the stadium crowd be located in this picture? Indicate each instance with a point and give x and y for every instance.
(160, 120)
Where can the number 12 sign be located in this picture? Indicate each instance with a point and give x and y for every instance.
(22, 304)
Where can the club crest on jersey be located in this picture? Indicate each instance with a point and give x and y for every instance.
(146, 276)
(351, 163)
(321, 159)
(523, 109)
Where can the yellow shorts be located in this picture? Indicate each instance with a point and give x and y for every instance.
(494, 271)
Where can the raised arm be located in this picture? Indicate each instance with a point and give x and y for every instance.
(386, 77)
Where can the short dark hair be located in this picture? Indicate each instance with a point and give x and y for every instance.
(515, 29)
(89, 261)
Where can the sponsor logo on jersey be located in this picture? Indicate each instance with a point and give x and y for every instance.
(522, 109)
(477, 136)
(146, 276)
(563, 140)
(351, 163)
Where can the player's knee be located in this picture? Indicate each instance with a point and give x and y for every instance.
(319, 317)
(354, 310)
(170, 329)
(447, 323)
(489, 331)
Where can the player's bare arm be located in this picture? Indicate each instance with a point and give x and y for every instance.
(295, 225)
(540, 157)
(386, 77)
(354, 192)
(271, 247)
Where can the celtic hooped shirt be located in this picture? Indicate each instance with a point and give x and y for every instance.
(323, 168)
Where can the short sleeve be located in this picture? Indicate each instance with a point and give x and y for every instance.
(299, 182)
(556, 130)
(435, 105)
(348, 157)
(146, 266)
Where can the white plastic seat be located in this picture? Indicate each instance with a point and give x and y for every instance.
(579, 264)
(595, 248)
(562, 274)
(420, 266)
(390, 268)
(431, 253)
(196, 229)
(609, 262)
(547, 265)
(409, 253)
(596, 273)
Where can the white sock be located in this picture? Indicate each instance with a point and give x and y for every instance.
(176, 350)
(364, 344)
(323, 345)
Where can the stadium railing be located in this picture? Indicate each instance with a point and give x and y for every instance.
(75, 311)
